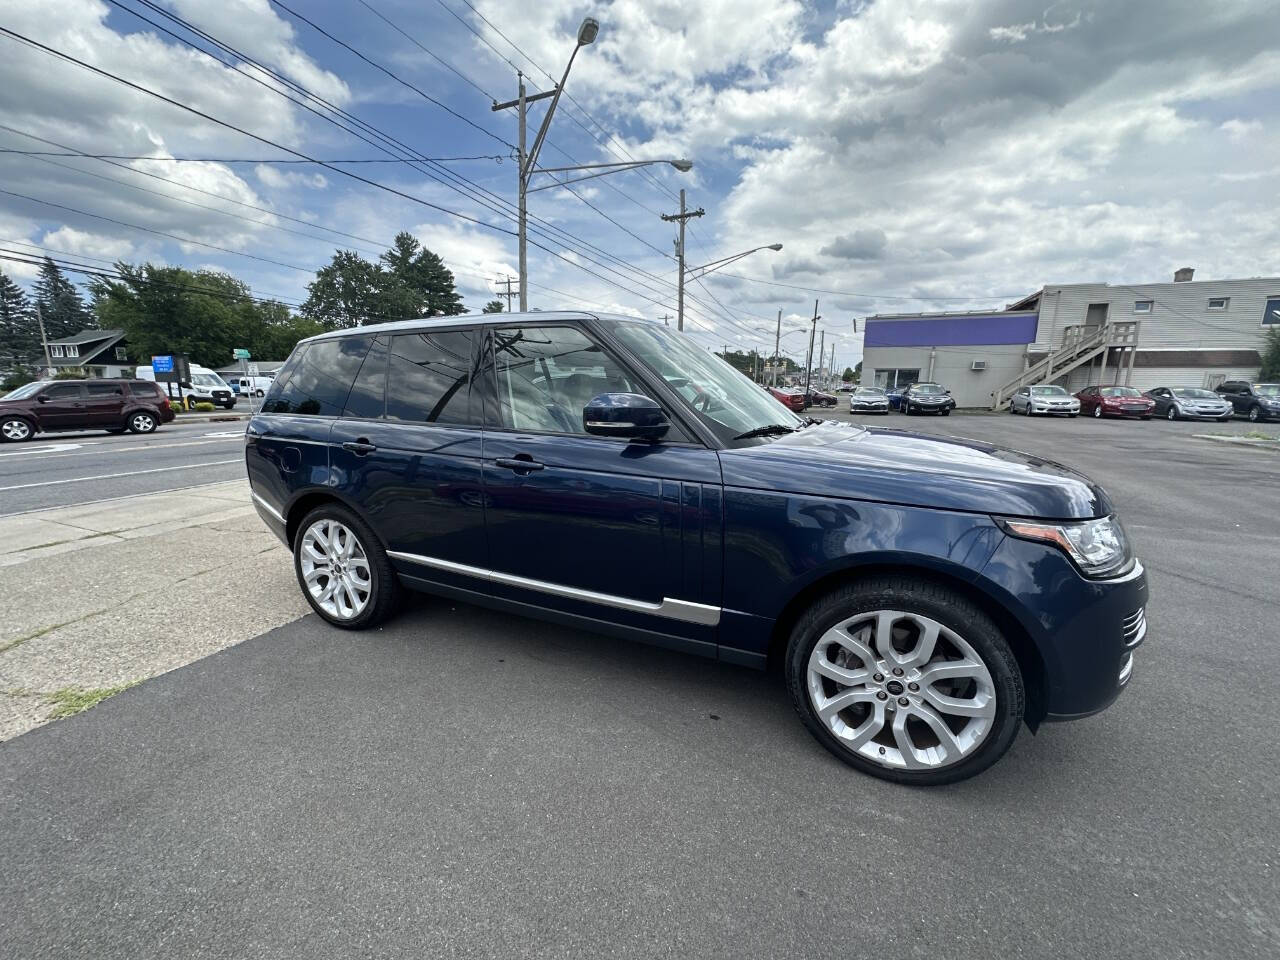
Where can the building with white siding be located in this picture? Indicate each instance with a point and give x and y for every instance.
(1183, 333)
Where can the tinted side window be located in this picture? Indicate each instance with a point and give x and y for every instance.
(546, 375)
(368, 393)
(320, 383)
(63, 391)
(104, 389)
(429, 377)
(145, 389)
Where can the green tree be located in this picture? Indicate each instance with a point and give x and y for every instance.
(493, 306)
(1271, 357)
(847, 376)
(349, 292)
(418, 283)
(61, 305)
(19, 333)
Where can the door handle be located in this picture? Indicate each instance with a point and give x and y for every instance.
(360, 448)
(522, 463)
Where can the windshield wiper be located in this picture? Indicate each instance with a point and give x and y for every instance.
(765, 431)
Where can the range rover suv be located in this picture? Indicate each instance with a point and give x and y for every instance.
(922, 597)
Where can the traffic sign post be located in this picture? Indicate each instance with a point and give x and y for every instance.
(241, 354)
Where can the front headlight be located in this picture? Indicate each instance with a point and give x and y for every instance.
(1098, 547)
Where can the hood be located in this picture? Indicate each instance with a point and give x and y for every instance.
(895, 466)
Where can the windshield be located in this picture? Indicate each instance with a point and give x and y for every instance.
(726, 400)
(206, 380)
(23, 392)
(1267, 389)
(869, 392)
(1048, 391)
(928, 389)
(1120, 392)
(1194, 393)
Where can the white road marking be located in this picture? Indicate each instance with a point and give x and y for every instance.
(129, 449)
(112, 476)
(47, 448)
(227, 433)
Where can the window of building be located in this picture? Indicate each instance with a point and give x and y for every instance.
(55, 350)
(1143, 306)
(429, 377)
(902, 377)
(122, 353)
(73, 350)
(321, 380)
(1272, 314)
(1219, 303)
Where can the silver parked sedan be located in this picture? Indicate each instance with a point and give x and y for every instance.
(868, 400)
(1189, 403)
(1048, 399)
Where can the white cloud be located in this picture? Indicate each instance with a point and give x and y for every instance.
(280, 179)
(73, 241)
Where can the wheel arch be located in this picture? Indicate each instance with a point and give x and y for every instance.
(304, 503)
(26, 418)
(1030, 661)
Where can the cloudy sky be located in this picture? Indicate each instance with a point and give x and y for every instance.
(909, 155)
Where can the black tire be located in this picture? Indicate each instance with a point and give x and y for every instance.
(140, 421)
(1011, 410)
(386, 589)
(1171, 413)
(117, 430)
(938, 603)
(1072, 416)
(16, 429)
(1097, 413)
(229, 406)
(946, 412)
(1255, 414)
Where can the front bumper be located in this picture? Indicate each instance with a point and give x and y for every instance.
(1055, 408)
(1085, 631)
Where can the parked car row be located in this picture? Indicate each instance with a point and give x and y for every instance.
(50, 406)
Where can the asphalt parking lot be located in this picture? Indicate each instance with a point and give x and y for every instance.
(467, 783)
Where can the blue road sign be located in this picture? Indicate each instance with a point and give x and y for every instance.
(162, 364)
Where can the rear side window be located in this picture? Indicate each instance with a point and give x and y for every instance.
(104, 389)
(368, 394)
(63, 391)
(145, 388)
(321, 380)
(429, 377)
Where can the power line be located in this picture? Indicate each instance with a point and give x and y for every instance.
(443, 62)
(272, 160)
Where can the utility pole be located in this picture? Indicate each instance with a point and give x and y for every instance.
(822, 355)
(832, 368)
(48, 364)
(777, 337)
(808, 364)
(509, 294)
(681, 217)
(666, 319)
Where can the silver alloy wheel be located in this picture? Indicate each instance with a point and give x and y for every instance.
(1097, 413)
(16, 429)
(922, 706)
(143, 422)
(335, 569)
(1172, 412)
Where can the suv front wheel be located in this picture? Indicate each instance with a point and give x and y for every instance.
(15, 429)
(143, 422)
(905, 680)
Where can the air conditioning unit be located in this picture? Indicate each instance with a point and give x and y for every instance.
(978, 365)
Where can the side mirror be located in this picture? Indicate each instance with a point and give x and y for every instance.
(43, 398)
(627, 415)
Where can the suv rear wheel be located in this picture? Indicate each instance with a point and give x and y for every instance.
(15, 429)
(343, 569)
(905, 680)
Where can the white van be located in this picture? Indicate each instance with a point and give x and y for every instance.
(206, 386)
(245, 385)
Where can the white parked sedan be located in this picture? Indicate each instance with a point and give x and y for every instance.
(1049, 399)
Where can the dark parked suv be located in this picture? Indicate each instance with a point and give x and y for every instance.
(111, 405)
(1257, 401)
(923, 597)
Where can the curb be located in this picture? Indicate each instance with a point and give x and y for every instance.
(1239, 441)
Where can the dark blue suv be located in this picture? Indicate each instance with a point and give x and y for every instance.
(922, 597)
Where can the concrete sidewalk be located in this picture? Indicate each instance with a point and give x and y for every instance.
(100, 595)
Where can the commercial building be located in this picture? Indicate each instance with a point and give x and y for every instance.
(1187, 333)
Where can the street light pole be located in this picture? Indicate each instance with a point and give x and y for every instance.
(777, 337)
(808, 364)
(523, 227)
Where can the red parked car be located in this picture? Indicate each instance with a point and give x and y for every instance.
(793, 400)
(1101, 402)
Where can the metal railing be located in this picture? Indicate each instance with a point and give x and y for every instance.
(1080, 344)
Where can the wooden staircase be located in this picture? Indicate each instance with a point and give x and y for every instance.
(1080, 344)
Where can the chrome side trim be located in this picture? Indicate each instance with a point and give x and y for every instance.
(1126, 670)
(268, 507)
(685, 610)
